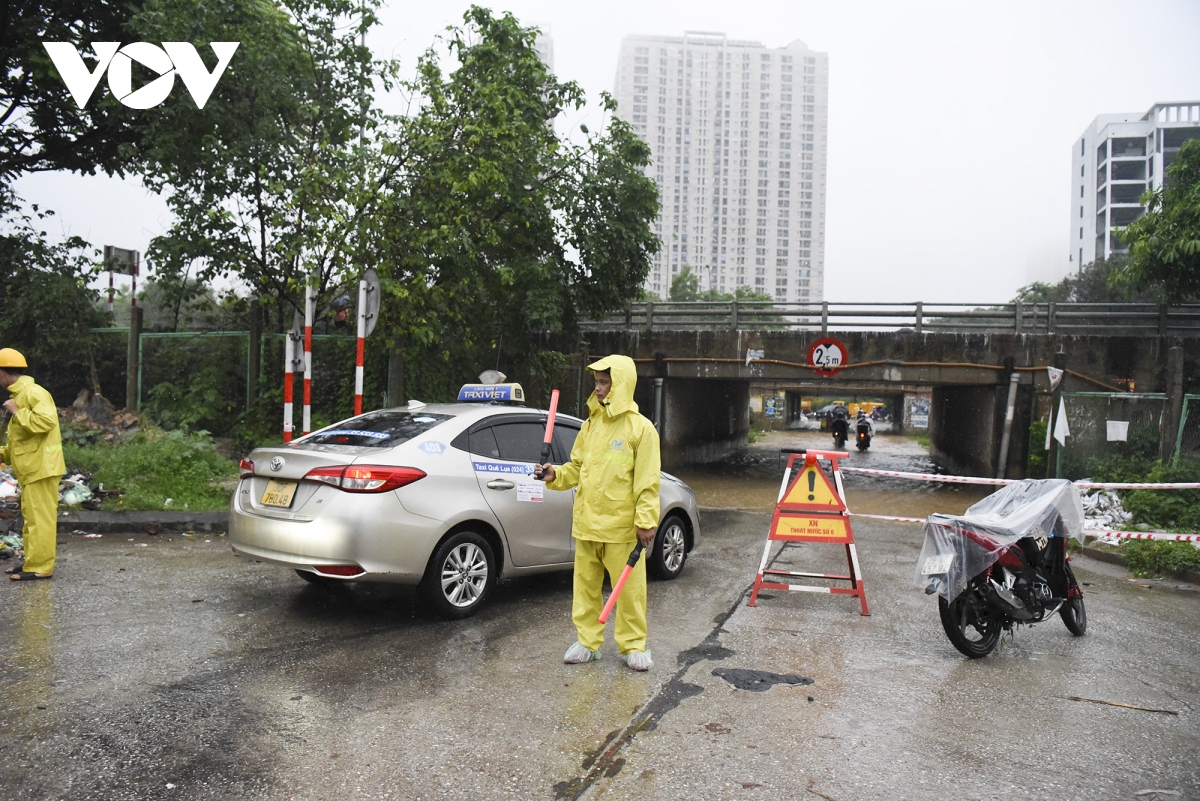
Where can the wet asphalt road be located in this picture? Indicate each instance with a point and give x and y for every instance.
(165, 667)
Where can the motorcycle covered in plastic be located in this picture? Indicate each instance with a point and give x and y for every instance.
(1004, 562)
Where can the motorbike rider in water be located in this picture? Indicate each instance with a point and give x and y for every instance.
(840, 428)
(864, 430)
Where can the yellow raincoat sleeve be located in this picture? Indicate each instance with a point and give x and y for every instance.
(646, 478)
(41, 417)
(566, 475)
(34, 444)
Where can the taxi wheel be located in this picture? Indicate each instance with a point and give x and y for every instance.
(460, 575)
(669, 553)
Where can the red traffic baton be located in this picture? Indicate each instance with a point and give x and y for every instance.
(550, 426)
(612, 599)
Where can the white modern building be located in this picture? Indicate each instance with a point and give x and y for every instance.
(1116, 160)
(739, 138)
(544, 47)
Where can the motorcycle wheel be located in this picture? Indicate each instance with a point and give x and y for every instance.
(838, 443)
(970, 625)
(1073, 612)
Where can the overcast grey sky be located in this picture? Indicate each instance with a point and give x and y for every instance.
(950, 131)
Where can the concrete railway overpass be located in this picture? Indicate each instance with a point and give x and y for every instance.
(695, 375)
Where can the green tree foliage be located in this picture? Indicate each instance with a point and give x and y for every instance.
(1165, 242)
(495, 228)
(1039, 292)
(1096, 282)
(41, 126)
(487, 227)
(269, 182)
(685, 286)
(46, 308)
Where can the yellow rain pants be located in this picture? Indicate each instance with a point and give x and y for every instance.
(39, 506)
(591, 560)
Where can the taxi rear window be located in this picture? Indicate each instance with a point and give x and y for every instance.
(385, 429)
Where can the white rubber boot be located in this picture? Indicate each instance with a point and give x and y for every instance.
(577, 655)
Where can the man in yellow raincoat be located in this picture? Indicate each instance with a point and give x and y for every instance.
(34, 449)
(615, 464)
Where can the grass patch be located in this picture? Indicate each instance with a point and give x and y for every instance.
(756, 435)
(152, 466)
(921, 439)
(1161, 509)
(1146, 558)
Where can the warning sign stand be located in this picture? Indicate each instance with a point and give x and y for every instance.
(811, 509)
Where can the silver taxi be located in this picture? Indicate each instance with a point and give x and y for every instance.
(440, 496)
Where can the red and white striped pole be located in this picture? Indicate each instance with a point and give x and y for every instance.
(358, 350)
(310, 299)
(289, 350)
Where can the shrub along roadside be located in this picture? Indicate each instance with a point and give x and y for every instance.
(1158, 557)
(1162, 509)
(151, 467)
(1170, 510)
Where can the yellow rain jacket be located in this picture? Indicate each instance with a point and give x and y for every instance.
(34, 443)
(615, 463)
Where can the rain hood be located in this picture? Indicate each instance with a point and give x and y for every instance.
(624, 381)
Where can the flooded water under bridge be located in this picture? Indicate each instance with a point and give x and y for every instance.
(750, 481)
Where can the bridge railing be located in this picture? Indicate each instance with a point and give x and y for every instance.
(1129, 319)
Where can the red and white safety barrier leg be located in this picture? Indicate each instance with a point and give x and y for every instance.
(358, 347)
(310, 300)
(289, 351)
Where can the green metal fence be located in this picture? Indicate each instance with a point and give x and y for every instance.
(203, 379)
(1105, 426)
(1187, 441)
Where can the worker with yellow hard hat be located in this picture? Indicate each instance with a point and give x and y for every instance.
(34, 449)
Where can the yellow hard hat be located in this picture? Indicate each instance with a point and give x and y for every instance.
(11, 358)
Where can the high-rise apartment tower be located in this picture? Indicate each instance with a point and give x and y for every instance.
(1116, 160)
(738, 133)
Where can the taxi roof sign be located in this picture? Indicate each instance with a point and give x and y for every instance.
(491, 393)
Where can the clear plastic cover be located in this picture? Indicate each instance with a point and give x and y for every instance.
(956, 548)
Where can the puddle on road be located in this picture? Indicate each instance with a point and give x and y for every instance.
(751, 480)
(758, 681)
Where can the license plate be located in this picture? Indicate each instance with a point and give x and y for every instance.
(279, 493)
(935, 565)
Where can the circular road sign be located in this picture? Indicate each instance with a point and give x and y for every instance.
(828, 356)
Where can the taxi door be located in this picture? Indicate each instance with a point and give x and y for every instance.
(536, 520)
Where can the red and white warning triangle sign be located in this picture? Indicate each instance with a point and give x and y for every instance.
(811, 492)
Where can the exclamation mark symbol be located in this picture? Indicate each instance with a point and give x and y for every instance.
(812, 484)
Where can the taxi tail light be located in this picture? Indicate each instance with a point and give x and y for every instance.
(376, 478)
(339, 570)
(246, 467)
(366, 478)
(326, 475)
